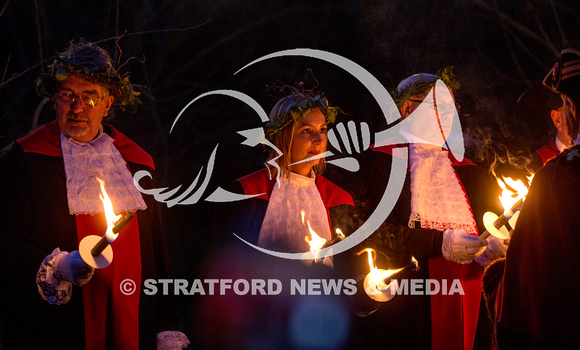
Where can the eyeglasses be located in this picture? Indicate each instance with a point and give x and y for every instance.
(86, 99)
(442, 107)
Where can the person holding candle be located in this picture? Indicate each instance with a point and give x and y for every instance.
(436, 220)
(50, 201)
(289, 196)
(292, 182)
(536, 305)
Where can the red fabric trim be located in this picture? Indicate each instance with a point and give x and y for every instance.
(331, 194)
(130, 151)
(454, 317)
(548, 152)
(389, 150)
(46, 140)
(111, 317)
(259, 182)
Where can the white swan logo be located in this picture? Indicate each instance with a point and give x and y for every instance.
(411, 130)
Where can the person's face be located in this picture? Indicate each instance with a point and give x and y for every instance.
(571, 117)
(560, 123)
(445, 103)
(309, 139)
(78, 119)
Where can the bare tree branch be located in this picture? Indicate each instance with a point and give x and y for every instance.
(6, 68)
(559, 23)
(513, 55)
(505, 19)
(38, 29)
(4, 7)
(543, 31)
(153, 31)
(17, 75)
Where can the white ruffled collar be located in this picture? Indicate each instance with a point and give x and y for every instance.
(84, 162)
(283, 228)
(438, 200)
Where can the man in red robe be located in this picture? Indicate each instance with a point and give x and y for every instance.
(50, 202)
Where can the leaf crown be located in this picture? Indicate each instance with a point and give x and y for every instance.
(295, 106)
(418, 84)
(92, 63)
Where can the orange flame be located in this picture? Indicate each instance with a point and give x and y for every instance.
(109, 213)
(377, 276)
(339, 234)
(512, 191)
(315, 241)
(416, 263)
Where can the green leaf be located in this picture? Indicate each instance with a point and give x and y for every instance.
(60, 74)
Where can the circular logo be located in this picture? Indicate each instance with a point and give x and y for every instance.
(127, 286)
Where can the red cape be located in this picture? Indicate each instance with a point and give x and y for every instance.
(46, 140)
(111, 317)
(453, 317)
(548, 152)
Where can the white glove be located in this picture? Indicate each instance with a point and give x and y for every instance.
(72, 268)
(171, 340)
(496, 249)
(461, 247)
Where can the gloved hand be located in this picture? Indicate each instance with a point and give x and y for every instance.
(496, 249)
(72, 268)
(171, 340)
(461, 247)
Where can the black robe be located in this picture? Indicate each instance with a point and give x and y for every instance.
(35, 219)
(541, 281)
(404, 322)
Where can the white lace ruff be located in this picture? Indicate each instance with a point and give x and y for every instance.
(438, 200)
(282, 228)
(84, 162)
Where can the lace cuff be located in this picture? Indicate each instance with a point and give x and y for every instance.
(53, 290)
(483, 260)
(171, 340)
(448, 251)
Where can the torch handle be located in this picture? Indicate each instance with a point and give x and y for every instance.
(501, 221)
(122, 222)
(100, 246)
(484, 235)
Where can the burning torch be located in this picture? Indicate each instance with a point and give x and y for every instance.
(374, 283)
(96, 251)
(496, 225)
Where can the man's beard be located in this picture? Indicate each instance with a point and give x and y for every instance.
(75, 131)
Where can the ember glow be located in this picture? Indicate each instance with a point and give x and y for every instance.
(315, 241)
(416, 263)
(339, 234)
(109, 213)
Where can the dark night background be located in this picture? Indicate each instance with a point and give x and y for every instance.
(181, 49)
